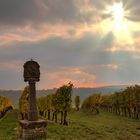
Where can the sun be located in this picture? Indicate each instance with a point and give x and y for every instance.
(118, 14)
(117, 22)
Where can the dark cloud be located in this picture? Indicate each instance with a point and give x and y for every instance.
(64, 52)
(133, 6)
(61, 11)
(21, 12)
(15, 12)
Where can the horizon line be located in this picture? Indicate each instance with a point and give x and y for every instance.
(74, 87)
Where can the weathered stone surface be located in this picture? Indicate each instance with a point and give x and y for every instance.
(33, 116)
(32, 75)
(31, 71)
(33, 130)
(32, 124)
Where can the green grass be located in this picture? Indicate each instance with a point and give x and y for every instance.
(104, 126)
(82, 126)
(8, 125)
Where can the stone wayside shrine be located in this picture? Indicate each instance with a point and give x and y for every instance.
(33, 128)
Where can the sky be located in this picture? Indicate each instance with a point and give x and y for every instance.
(91, 43)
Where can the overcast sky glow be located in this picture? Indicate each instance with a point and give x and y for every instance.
(73, 40)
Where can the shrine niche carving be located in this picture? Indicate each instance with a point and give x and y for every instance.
(31, 71)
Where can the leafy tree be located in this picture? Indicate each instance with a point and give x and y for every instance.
(125, 102)
(60, 101)
(41, 105)
(49, 105)
(44, 105)
(24, 103)
(64, 94)
(92, 103)
(5, 105)
(77, 102)
(55, 105)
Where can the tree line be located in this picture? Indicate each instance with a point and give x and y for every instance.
(125, 102)
(5, 105)
(51, 105)
(92, 103)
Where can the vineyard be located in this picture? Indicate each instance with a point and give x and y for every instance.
(125, 102)
(82, 126)
(5, 105)
(59, 102)
(99, 116)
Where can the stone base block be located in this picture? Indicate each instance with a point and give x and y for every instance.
(33, 130)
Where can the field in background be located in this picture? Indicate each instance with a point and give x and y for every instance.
(82, 126)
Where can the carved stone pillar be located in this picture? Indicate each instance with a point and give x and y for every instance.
(32, 102)
(33, 128)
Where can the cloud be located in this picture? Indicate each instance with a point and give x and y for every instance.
(124, 48)
(25, 12)
(56, 53)
(112, 66)
(82, 61)
(13, 65)
(76, 75)
(38, 20)
(19, 12)
(134, 7)
(66, 38)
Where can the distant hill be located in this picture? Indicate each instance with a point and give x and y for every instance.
(82, 92)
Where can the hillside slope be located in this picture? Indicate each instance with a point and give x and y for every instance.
(82, 92)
